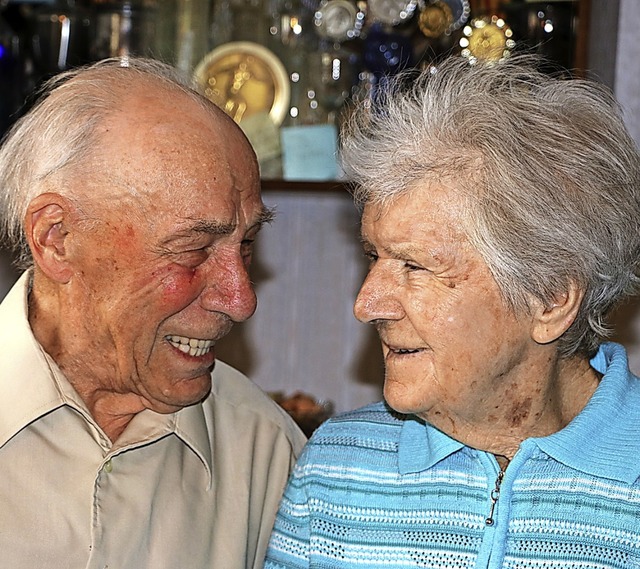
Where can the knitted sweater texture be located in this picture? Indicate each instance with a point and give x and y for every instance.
(375, 489)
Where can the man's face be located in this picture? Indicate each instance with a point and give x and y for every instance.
(161, 274)
(452, 348)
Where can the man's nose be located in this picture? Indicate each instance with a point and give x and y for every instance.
(229, 289)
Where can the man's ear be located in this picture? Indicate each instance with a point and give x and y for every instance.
(550, 322)
(47, 225)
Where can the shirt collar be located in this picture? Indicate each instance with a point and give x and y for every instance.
(27, 391)
(421, 446)
(603, 439)
(32, 385)
(191, 427)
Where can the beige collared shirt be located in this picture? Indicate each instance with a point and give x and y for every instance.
(195, 489)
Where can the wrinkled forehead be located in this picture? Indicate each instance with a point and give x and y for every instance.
(430, 193)
(431, 211)
(157, 113)
(153, 145)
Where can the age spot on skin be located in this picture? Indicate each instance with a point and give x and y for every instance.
(520, 412)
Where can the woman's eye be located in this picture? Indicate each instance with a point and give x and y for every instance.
(371, 256)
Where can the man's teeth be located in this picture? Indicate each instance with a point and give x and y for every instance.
(191, 346)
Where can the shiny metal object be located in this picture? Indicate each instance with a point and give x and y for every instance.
(487, 38)
(244, 79)
(391, 12)
(435, 19)
(338, 20)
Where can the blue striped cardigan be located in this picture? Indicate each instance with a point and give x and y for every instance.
(374, 489)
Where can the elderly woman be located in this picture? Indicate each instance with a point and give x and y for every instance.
(501, 218)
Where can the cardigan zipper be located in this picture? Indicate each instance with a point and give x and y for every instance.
(495, 494)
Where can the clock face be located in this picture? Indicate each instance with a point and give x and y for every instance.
(338, 20)
(391, 12)
(485, 38)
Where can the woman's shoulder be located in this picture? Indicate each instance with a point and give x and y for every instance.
(360, 445)
(375, 425)
(378, 413)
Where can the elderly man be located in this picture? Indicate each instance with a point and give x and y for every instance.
(123, 443)
(502, 223)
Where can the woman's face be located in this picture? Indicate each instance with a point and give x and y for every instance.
(454, 353)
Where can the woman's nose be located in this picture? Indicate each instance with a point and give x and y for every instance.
(377, 298)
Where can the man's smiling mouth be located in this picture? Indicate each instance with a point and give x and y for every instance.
(191, 346)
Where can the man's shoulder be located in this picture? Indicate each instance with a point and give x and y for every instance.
(232, 387)
(235, 392)
(228, 380)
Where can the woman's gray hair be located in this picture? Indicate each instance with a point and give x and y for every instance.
(60, 133)
(544, 163)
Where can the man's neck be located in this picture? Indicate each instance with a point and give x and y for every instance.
(111, 409)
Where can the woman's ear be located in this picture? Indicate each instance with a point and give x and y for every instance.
(47, 224)
(550, 322)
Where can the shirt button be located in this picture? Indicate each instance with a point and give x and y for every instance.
(108, 467)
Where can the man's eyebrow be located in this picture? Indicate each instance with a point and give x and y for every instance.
(266, 215)
(212, 227)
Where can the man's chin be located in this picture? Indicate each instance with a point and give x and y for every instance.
(184, 393)
(195, 390)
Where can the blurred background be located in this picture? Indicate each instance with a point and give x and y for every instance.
(288, 71)
(306, 58)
